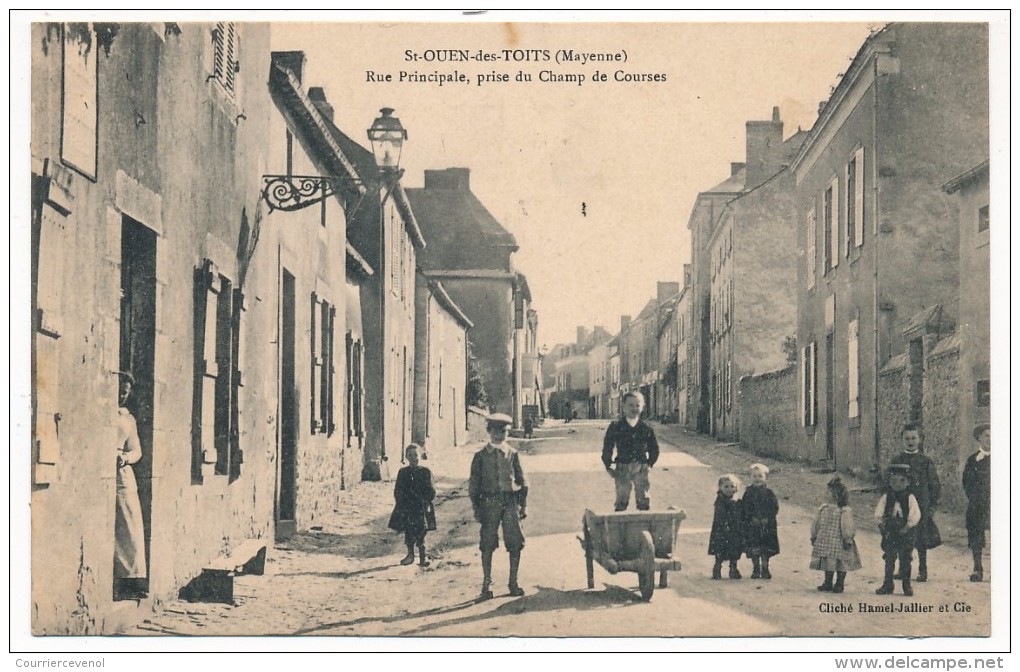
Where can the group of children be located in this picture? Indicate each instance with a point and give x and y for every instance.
(747, 525)
(743, 525)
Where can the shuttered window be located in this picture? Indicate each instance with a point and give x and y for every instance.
(219, 373)
(225, 54)
(853, 368)
(808, 386)
(323, 324)
(812, 252)
(855, 201)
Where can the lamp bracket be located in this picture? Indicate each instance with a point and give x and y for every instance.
(296, 192)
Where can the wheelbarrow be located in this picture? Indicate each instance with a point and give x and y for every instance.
(640, 541)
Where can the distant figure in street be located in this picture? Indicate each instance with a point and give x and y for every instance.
(726, 541)
(413, 513)
(897, 514)
(977, 485)
(833, 547)
(129, 530)
(499, 497)
(925, 486)
(636, 449)
(760, 507)
(529, 426)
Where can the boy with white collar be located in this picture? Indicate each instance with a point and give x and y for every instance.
(499, 495)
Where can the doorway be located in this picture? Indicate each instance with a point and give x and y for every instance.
(286, 490)
(137, 355)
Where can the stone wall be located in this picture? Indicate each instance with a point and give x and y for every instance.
(939, 412)
(768, 406)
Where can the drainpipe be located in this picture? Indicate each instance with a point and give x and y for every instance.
(876, 466)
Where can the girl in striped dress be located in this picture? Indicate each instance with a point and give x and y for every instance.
(834, 550)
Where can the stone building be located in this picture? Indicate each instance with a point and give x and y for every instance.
(880, 273)
(469, 252)
(684, 338)
(701, 223)
(752, 249)
(223, 308)
(384, 231)
(440, 368)
(639, 346)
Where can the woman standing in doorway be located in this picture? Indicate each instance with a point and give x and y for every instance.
(129, 530)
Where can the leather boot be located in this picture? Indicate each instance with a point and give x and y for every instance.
(486, 593)
(717, 570)
(979, 571)
(826, 586)
(765, 573)
(422, 560)
(838, 586)
(922, 565)
(887, 585)
(409, 558)
(907, 590)
(756, 571)
(515, 563)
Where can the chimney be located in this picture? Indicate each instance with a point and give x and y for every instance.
(318, 98)
(735, 167)
(450, 178)
(582, 335)
(664, 290)
(624, 322)
(763, 141)
(290, 60)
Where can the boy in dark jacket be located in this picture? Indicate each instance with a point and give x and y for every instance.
(413, 513)
(636, 453)
(977, 482)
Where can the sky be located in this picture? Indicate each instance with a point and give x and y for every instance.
(596, 180)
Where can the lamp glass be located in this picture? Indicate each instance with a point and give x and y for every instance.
(387, 136)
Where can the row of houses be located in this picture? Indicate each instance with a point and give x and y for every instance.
(841, 273)
(291, 313)
(838, 284)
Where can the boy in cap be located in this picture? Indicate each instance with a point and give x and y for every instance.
(977, 485)
(926, 488)
(498, 493)
(897, 514)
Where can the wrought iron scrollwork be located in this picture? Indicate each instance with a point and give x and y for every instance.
(294, 192)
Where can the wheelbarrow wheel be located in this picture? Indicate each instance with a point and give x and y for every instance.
(589, 557)
(646, 573)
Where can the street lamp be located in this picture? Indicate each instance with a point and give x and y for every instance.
(387, 136)
(296, 192)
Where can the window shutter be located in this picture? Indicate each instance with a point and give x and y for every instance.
(811, 245)
(834, 218)
(50, 272)
(803, 386)
(206, 368)
(859, 196)
(330, 370)
(224, 407)
(813, 387)
(231, 56)
(349, 378)
(316, 364)
(849, 175)
(236, 456)
(219, 51)
(853, 363)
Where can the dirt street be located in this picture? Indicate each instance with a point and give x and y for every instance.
(344, 580)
